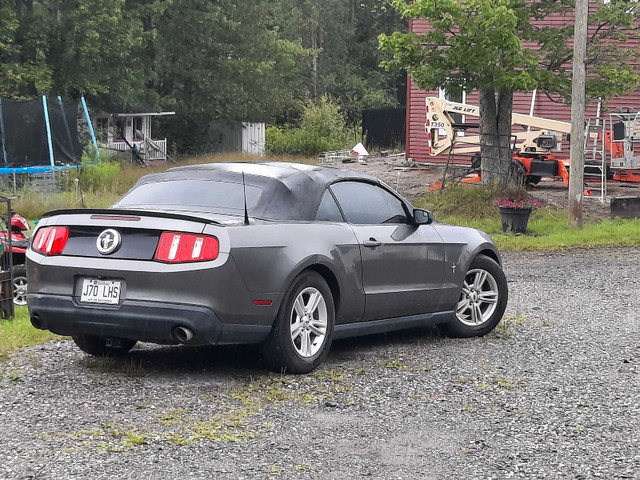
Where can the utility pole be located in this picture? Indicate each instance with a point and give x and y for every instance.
(576, 155)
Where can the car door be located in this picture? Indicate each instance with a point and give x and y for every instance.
(402, 264)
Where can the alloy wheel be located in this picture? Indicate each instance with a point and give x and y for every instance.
(20, 290)
(308, 322)
(478, 299)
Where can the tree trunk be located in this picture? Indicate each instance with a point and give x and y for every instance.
(495, 136)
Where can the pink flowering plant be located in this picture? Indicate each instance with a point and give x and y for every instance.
(518, 200)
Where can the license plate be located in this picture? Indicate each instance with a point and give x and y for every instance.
(100, 291)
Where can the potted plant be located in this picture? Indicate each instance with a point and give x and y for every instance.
(515, 209)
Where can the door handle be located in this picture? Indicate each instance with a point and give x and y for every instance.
(372, 243)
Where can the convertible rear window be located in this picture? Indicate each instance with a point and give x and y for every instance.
(204, 195)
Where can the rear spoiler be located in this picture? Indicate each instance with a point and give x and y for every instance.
(113, 212)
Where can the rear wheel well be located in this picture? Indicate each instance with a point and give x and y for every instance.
(329, 277)
(491, 254)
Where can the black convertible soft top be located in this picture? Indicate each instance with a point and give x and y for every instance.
(289, 191)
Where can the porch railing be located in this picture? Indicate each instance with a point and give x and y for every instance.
(150, 150)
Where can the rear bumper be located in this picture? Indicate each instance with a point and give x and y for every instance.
(139, 320)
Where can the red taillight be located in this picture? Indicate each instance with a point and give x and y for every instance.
(50, 240)
(177, 247)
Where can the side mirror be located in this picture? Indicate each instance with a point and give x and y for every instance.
(422, 217)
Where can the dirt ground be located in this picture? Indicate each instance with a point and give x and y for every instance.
(411, 181)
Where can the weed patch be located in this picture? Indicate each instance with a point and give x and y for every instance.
(171, 418)
(178, 439)
(396, 364)
(274, 470)
(125, 366)
(505, 328)
(506, 383)
(333, 375)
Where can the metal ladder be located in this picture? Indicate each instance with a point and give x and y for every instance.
(595, 153)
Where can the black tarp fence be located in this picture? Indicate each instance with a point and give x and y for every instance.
(25, 132)
(384, 127)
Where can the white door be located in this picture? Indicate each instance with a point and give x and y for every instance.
(253, 139)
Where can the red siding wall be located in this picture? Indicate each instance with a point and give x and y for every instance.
(416, 141)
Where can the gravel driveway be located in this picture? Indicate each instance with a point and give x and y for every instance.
(552, 393)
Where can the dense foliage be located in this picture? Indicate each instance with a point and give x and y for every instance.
(252, 60)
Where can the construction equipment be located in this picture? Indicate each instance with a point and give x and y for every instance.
(625, 140)
(532, 149)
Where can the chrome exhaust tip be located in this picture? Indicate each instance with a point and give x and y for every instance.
(182, 334)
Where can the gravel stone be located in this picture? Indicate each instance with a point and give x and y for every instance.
(552, 393)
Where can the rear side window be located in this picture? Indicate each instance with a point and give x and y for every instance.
(328, 210)
(364, 203)
(204, 195)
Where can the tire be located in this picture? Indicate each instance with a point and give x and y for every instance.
(20, 285)
(97, 346)
(533, 179)
(301, 350)
(483, 300)
(517, 173)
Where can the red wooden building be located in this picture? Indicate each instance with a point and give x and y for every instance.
(536, 103)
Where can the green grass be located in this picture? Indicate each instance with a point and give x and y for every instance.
(19, 332)
(34, 205)
(550, 234)
(547, 230)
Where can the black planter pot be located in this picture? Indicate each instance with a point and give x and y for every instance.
(514, 219)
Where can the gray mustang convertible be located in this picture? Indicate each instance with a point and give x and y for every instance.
(287, 256)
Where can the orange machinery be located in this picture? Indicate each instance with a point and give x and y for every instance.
(533, 149)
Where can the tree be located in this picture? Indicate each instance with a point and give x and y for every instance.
(223, 60)
(70, 48)
(342, 38)
(23, 74)
(495, 47)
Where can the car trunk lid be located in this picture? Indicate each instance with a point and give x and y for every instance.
(139, 231)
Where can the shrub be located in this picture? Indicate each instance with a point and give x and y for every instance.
(99, 172)
(322, 128)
